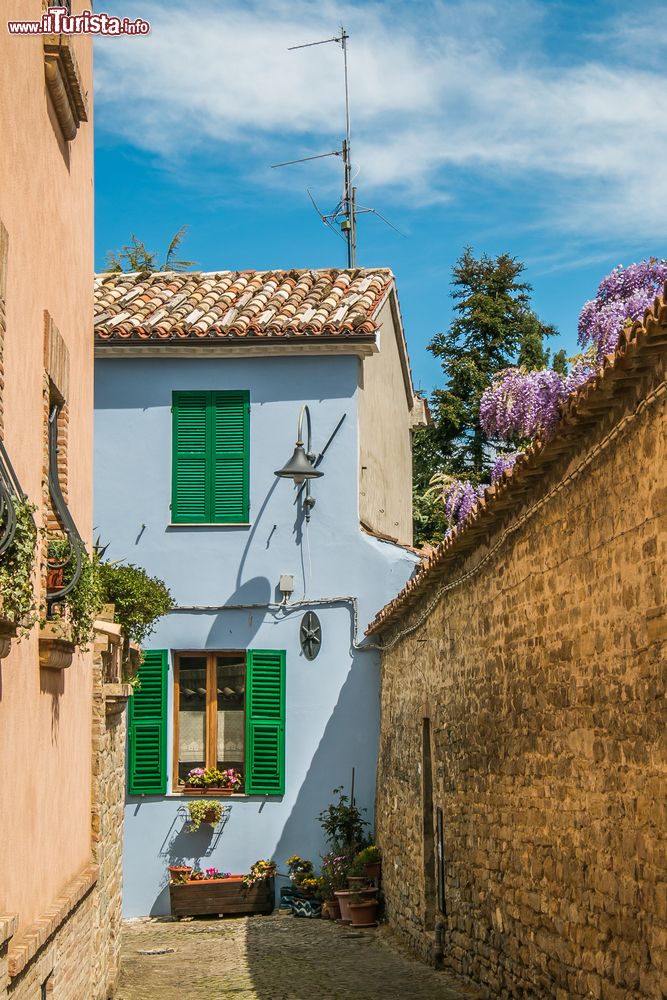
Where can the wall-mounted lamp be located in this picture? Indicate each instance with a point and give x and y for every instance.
(300, 467)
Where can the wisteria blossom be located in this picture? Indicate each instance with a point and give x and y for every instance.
(623, 295)
(461, 498)
(520, 403)
(502, 464)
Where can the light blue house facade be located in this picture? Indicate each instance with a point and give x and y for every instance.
(199, 383)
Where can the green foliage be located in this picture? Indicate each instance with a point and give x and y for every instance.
(343, 826)
(83, 602)
(428, 515)
(134, 681)
(369, 855)
(139, 599)
(200, 811)
(134, 256)
(493, 327)
(17, 596)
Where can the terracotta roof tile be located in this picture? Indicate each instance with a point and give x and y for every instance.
(642, 349)
(239, 304)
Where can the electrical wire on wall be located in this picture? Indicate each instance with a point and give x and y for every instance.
(281, 610)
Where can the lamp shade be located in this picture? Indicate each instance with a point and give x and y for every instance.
(299, 468)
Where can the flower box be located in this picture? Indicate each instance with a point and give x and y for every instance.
(221, 896)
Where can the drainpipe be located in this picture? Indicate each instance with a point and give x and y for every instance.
(439, 953)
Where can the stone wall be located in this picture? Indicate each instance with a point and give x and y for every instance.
(542, 675)
(73, 949)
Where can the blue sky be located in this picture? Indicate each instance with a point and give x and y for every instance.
(533, 128)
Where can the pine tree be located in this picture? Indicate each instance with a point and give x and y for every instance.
(493, 327)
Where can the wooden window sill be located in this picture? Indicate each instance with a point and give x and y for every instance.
(209, 524)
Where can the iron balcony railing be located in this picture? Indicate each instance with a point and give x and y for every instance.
(63, 560)
(10, 494)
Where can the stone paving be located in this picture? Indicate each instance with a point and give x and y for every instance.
(272, 958)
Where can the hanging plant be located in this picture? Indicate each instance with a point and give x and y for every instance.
(82, 604)
(201, 811)
(17, 595)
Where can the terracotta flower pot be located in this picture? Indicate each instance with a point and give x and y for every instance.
(54, 578)
(211, 816)
(363, 914)
(331, 909)
(176, 870)
(373, 869)
(343, 897)
(355, 882)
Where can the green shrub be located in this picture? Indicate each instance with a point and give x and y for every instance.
(139, 599)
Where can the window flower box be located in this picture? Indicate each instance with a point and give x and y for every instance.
(221, 896)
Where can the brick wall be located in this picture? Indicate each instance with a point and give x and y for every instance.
(544, 678)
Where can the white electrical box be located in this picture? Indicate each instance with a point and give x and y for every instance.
(286, 585)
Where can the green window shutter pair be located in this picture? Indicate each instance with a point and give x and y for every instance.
(265, 725)
(147, 727)
(211, 458)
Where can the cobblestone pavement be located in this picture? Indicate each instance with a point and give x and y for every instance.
(272, 958)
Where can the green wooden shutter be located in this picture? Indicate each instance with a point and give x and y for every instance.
(265, 723)
(230, 457)
(190, 443)
(147, 727)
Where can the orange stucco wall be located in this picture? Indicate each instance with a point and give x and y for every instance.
(46, 205)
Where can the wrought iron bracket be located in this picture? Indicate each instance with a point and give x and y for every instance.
(74, 558)
(10, 493)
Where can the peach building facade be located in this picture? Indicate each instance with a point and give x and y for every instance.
(53, 719)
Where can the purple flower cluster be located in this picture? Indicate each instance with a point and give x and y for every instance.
(502, 464)
(623, 295)
(461, 498)
(523, 402)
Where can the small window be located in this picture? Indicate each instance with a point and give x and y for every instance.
(230, 712)
(211, 711)
(210, 458)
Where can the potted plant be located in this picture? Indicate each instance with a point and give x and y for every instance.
(210, 779)
(356, 876)
(363, 908)
(179, 873)
(260, 871)
(211, 892)
(226, 781)
(195, 779)
(201, 811)
(334, 879)
(308, 903)
(343, 825)
(371, 859)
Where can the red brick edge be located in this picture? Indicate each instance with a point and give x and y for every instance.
(30, 939)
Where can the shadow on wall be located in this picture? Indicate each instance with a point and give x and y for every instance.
(181, 846)
(350, 740)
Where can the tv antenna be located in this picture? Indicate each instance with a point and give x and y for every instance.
(345, 213)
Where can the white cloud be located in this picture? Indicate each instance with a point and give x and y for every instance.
(437, 89)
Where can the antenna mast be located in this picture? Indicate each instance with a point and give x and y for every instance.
(346, 208)
(345, 213)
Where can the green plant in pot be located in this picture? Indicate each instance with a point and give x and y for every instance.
(203, 811)
(80, 607)
(138, 599)
(356, 874)
(371, 859)
(343, 825)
